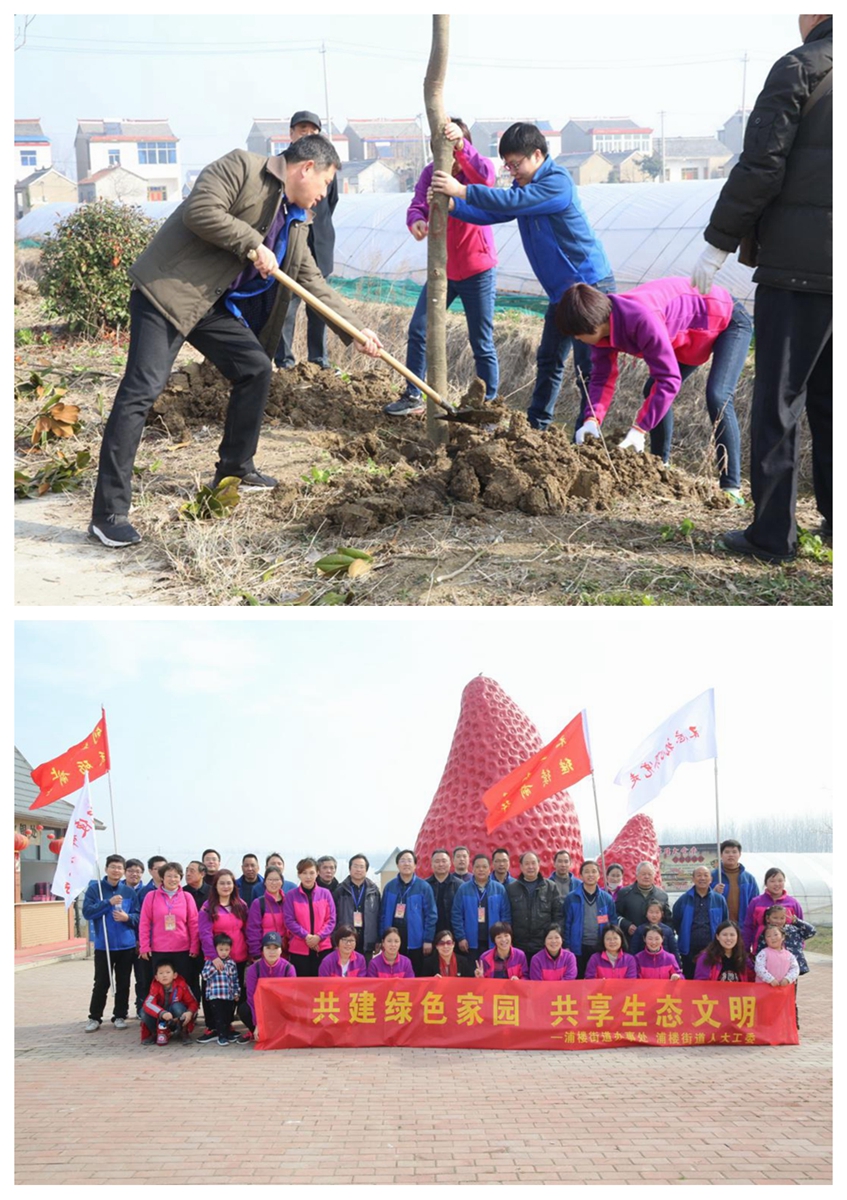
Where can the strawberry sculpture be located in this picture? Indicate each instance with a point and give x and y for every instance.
(493, 737)
(636, 842)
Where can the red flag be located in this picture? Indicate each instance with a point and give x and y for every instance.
(565, 761)
(64, 775)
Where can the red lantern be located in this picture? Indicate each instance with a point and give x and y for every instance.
(39, 828)
(21, 842)
(56, 845)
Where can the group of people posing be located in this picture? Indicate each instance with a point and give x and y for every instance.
(210, 937)
(194, 283)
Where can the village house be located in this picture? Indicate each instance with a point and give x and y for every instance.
(271, 135)
(113, 183)
(607, 135)
(32, 148)
(399, 141)
(47, 186)
(147, 148)
(372, 175)
(43, 926)
(695, 158)
(587, 167)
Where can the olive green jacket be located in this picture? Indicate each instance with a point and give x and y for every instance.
(203, 245)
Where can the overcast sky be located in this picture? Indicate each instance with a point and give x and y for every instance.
(212, 75)
(330, 736)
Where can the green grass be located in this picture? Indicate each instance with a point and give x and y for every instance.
(821, 943)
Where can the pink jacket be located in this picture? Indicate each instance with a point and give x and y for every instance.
(152, 934)
(656, 966)
(599, 967)
(295, 911)
(470, 248)
(225, 922)
(259, 923)
(331, 965)
(666, 322)
(754, 921)
(401, 968)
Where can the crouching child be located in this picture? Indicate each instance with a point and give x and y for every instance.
(170, 1008)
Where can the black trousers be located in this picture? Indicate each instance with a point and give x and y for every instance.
(141, 971)
(793, 371)
(221, 1014)
(153, 346)
(307, 965)
(245, 1016)
(122, 961)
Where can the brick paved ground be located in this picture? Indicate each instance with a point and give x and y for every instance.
(708, 1115)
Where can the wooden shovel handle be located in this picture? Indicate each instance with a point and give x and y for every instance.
(356, 334)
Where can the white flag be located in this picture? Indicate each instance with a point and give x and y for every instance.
(686, 736)
(77, 864)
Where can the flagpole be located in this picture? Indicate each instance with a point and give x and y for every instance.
(594, 789)
(111, 798)
(717, 807)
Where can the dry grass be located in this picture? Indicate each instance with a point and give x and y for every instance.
(265, 554)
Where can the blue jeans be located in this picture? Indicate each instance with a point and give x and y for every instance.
(315, 337)
(729, 355)
(477, 295)
(553, 351)
(176, 1009)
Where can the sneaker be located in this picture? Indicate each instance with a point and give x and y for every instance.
(114, 531)
(223, 1041)
(246, 1037)
(253, 481)
(406, 406)
(207, 1037)
(231, 1035)
(120, 1023)
(92, 1026)
(735, 496)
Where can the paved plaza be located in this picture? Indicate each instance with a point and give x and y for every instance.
(101, 1109)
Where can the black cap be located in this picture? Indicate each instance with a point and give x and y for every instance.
(304, 116)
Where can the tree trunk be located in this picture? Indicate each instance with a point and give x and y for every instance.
(436, 263)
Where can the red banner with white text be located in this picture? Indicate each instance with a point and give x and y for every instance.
(519, 1014)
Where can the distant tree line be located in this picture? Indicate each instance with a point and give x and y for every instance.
(798, 834)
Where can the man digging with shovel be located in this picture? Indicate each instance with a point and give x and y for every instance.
(194, 283)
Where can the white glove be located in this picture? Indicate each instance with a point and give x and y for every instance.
(634, 439)
(707, 267)
(591, 428)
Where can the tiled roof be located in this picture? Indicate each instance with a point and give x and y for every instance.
(27, 130)
(350, 170)
(610, 125)
(399, 130)
(697, 147)
(121, 131)
(108, 171)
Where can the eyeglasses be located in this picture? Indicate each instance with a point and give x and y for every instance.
(446, 942)
(512, 167)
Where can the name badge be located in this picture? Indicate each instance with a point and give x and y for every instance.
(170, 922)
(399, 911)
(480, 914)
(357, 920)
(602, 918)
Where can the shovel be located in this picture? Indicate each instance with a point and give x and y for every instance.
(469, 416)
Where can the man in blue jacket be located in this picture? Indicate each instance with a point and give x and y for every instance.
(477, 906)
(409, 905)
(737, 886)
(111, 909)
(588, 911)
(560, 244)
(696, 916)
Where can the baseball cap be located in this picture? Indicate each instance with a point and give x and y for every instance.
(304, 116)
(272, 939)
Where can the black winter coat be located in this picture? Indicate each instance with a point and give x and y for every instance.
(368, 935)
(322, 232)
(781, 186)
(632, 905)
(533, 915)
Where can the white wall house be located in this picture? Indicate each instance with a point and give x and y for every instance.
(148, 149)
(694, 158)
(32, 148)
(113, 183)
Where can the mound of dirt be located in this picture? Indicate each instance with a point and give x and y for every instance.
(305, 397)
(392, 471)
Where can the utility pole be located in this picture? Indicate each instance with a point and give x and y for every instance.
(662, 115)
(743, 99)
(326, 96)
